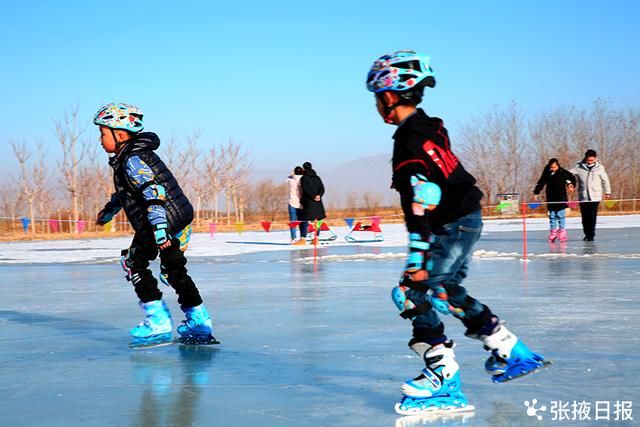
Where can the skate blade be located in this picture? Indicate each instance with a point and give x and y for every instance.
(420, 420)
(434, 413)
(192, 340)
(142, 344)
(503, 378)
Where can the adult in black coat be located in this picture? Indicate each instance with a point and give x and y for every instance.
(312, 192)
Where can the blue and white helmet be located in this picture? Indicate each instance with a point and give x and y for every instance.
(120, 116)
(401, 71)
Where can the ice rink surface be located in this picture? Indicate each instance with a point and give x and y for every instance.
(319, 344)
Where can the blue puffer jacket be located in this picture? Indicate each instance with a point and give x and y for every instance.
(179, 211)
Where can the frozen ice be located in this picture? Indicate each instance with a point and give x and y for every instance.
(313, 343)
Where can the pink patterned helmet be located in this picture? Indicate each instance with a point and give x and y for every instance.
(401, 71)
(120, 116)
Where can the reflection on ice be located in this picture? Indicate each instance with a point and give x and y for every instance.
(315, 344)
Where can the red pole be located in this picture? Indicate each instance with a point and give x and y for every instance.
(524, 228)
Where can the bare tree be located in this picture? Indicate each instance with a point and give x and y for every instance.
(268, 198)
(352, 200)
(30, 180)
(234, 177)
(68, 133)
(371, 202)
(44, 197)
(9, 195)
(494, 149)
(194, 175)
(214, 167)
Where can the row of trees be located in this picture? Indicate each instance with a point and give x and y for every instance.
(82, 182)
(503, 149)
(507, 153)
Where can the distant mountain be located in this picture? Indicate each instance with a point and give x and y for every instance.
(360, 176)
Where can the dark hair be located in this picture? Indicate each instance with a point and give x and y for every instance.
(298, 170)
(411, 97)
(552, 161)
(307, 165)
(590, 153)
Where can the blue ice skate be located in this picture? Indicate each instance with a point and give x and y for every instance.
(197, 328)
(436, 391)
(510, 358)
(156, 328)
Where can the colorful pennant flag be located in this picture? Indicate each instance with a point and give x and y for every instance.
(81, 225)
(294, 224)
(573, 204)
(534, 205)
(349, 222)
(212, 228)
(108, 227)
(54, 225)
(610, 203)
(25, 223)
(266, 225)
(239, 227)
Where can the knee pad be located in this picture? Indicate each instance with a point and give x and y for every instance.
(402, 303)
(408, 310)
(126, 262)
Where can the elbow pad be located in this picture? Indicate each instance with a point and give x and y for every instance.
(426, 194)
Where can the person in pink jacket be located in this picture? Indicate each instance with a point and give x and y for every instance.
(295, 207)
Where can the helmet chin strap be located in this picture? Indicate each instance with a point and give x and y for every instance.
(119, 144)
(388, 109)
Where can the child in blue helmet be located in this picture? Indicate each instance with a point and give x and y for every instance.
(161, 216)
(441, 205)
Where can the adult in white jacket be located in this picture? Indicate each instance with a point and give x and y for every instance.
(593, 186)
(295, 206)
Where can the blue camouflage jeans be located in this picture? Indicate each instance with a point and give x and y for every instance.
(450, 251)
(556, 219)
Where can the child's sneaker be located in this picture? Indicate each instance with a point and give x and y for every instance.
(156, 327)
(197, 328)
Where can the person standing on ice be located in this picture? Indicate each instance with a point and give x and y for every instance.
(558, 181)
(161, 216)
(441, 205)
(312, 193)
(295, 207)
(593, 186)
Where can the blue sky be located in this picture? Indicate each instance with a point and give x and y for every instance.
(287, 77)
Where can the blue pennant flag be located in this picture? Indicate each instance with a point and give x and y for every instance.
(534, 205)
(25, 223)
(349, 222)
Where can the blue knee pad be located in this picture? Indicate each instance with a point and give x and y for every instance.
(402, 303)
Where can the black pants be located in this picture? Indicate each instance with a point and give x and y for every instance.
(173, 264)
(589, 212)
